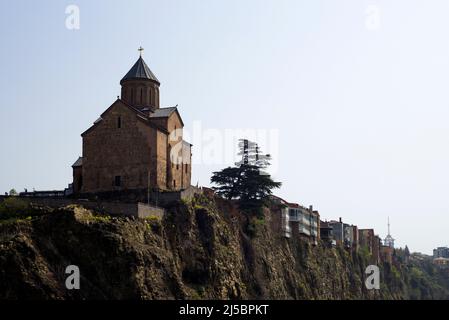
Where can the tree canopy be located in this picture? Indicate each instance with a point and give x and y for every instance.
(246, 182)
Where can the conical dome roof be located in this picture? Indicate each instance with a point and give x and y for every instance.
(140, 70)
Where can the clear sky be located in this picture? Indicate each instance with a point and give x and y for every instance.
(351, 97)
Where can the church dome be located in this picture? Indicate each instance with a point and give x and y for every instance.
(140, 71)
(140, 87)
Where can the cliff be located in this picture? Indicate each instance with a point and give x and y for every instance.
(200, 250)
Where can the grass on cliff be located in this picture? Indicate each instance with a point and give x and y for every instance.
(100, 218)
(16, 210)
(154, 223)
(13, 208)
(14, 220)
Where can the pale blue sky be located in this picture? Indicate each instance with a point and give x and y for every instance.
(362, 114)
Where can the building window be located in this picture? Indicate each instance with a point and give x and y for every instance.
(177, 166)
(141, 96)
(186, 167)
(118, 181)
(174, 184)
(119, 122)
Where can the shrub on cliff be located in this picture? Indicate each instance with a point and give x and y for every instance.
(13, 207)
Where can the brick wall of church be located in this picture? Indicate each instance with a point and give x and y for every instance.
(77, 179)
(161, 160)
(128, 152)
(179, 173)
(140, 93)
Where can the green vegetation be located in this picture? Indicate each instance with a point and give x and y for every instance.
(14, 220)
(13, 208)
(153, 218)
(254, 225)
(395, 273)
(154, 223)
(246, 182)
(365, 254)
(100, 218)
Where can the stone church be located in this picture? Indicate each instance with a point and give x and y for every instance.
(135, 144)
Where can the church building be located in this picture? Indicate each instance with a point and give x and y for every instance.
(135, 144)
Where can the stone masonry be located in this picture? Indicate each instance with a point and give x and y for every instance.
(135, 144)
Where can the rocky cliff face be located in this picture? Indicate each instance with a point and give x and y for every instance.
(199, 251)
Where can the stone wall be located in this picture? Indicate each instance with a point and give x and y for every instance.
(161, 160)
(138, 209)
(77, 179)
(140, 92)
(128, 151)
(145, 210)
(165, 198)
(180, 168)
(124, 144)
(157, 198)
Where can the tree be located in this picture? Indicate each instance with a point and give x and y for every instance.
(407, 251)
(13, 192)
(255, 188)
(246, 182)
(229, 181)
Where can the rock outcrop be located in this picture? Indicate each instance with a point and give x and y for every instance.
(200, 250)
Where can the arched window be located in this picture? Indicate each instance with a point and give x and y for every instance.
(141, 96)
(119, 122)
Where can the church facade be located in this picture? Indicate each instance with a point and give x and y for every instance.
(135, 144)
